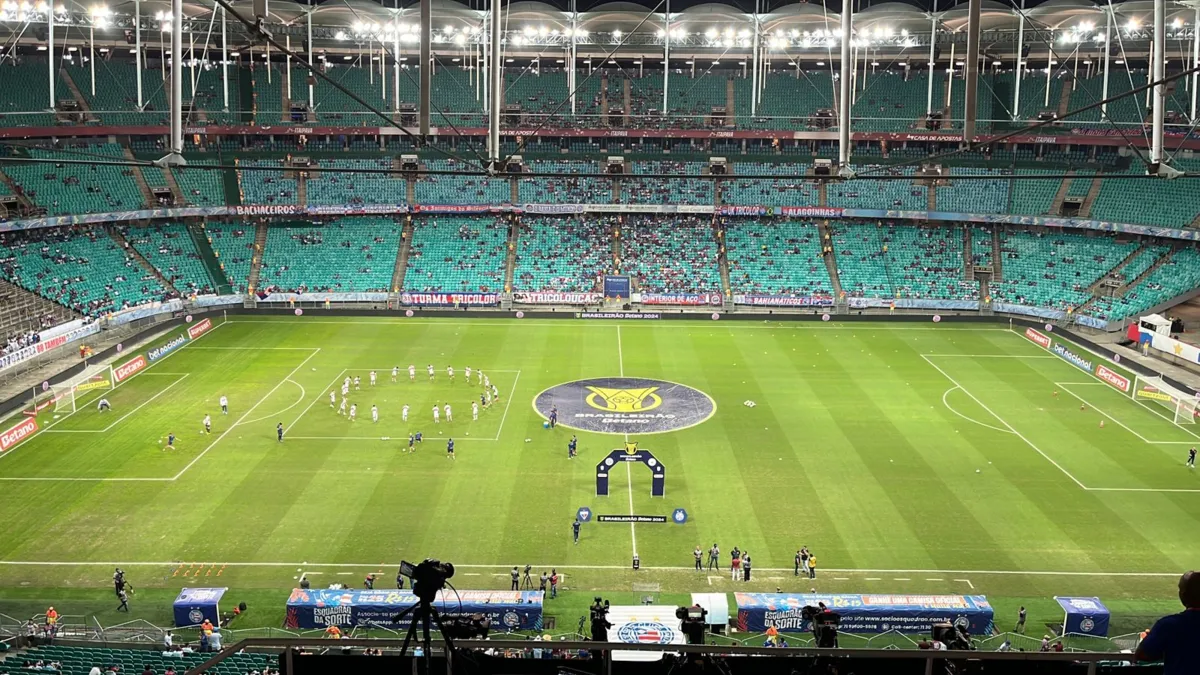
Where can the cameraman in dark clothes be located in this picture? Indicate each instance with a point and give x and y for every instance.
(1173, 638)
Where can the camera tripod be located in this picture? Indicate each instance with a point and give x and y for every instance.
(527, 582)
(423, 612)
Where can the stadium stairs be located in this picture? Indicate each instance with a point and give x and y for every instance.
(510, 255)
(1064, 101)
(260, 244)
(21, 310)
(968, 263)
(829, 256)
(1085, 211)
(209, 257)
(1149, 270)
(176, 192)
(233, 187)
(1094, 287)
(140, 179)
(997, 258)
(1061, 195)
(16, 191)
(302, 188)
(80, 99)
(131, 251)
(723, 263)
(402, 253)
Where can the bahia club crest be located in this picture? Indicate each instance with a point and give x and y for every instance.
(625, 405)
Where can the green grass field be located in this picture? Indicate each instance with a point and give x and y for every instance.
(910, 458)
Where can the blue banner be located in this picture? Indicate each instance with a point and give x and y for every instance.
(1088, 616)
(194, 605)
(865, 613)
(616, 286)
(161, 351)
(1072, 358)
(508, 610)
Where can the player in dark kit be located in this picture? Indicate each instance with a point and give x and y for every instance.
(411, 439)
(553, 417)
(279, 432)
(571, 447)
(575, 529)
(1191, 458)
(450, 448)
(170, 440)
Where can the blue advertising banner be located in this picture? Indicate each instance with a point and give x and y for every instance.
(616, 286)
(194, 605)
(864, 613)
(1088, 616)
(508, 610)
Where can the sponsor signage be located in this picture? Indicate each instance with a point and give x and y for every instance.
(681, 298)
(622, 518)
(1153, 394)
(94, 384)
(18, 432)
(618, 315)
(1072, 358)
(479, 299)
(557, 298)
(864, 613)
(619, 405)
(1113, 379)
(199, 329)
(1040, 339)
(159, 352)
(129, 368)
(1088, 616)
(507, 610)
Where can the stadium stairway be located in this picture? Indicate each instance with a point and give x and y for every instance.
(997, 258)
(302, 188)
(209, 257)
(829, 256)
(514, 236)
(260, 243)
(140, 179)
(233, 188)
(402, 253)
(822, 195)
(723, 263)
(80, 99)
(615, 237)
(1061, 195)
(1085, 211)
(14, 190)
(124, 245)
(1094, 287)
(21, 310)
(176, 192)
(968, 265)
(1162, 260)
(1064, 101)
(931, 194)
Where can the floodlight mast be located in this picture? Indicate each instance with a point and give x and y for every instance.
(844, 94)
(175, 157)
(495, 68)
(972, 70)
(1157, 63)
(426, 67)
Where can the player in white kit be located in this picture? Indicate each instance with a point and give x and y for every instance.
(372, 378)
(332, 399)
(395, 372)
(356, 381)
(475, 411)
(487, 382)
(345, 390)
(468, 370)
(437, 414)
(224, 405)
(449, 414)
(353, 411)
(412, 373)
(342, 407)
(404, 413)
(450, 373)
(430, 369)
(374, 413)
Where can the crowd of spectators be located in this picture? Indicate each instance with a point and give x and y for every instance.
(670, 254)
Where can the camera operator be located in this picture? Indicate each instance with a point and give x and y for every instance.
(824, 625)
(599, 620)
(516, 578)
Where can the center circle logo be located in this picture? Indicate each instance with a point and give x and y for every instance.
(622, 405)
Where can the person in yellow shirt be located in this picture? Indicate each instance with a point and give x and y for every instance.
(812, 567)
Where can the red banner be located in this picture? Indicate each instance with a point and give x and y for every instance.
(199, 329)
(17, 433)
(1117, 381)
(1038, 338)
(129, 368)
(449, 298)
(555, 298)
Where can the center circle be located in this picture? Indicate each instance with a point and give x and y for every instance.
(625, 405)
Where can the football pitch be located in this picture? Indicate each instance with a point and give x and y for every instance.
(911, 458)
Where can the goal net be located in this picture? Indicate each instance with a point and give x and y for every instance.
(70, 394)
(1182, 405)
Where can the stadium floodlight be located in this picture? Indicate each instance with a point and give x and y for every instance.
(68, 395)
(1183, 405)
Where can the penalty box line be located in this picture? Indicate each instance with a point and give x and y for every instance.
(1066, 386)
(499, 430)
(181, 377)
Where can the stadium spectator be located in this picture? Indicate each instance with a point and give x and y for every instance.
(1173, 638)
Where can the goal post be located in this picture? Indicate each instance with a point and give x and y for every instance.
(1182, 405)
(68, 395)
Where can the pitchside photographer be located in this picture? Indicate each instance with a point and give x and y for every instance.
(824, 622)
(598, 613)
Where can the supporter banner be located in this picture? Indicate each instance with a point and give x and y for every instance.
(864, 303)
(680, 298)
(507, 610)
(18, 432)
(1169, 345)
(354, 209)
(650, 316)
(745, 211)
(913, 303)
(1040, 312)
(865, 613)
(64, 328)
(323, 297)
(161, 351)
(458, 208)
(266, 210)
(647, 208)
(199, 329)
(218, 300)
(810, 212)
(1091, 322)
(142, 311)
(129, 368)
(781, 301)
(553, 209)
(480, 299)
(1088, 616)
(26, 353)
(557, 298)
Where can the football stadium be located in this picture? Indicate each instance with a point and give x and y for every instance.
(739, 337)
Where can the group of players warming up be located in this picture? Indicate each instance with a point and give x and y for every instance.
(1190, 462)
(103, 406)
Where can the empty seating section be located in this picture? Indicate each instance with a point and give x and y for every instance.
(81, 660)
(776, 258)
(66, 189)
(1129, 110)
(1080, 185)
(443, 189)
(541, 92)
(332, 186)
(888, 102)
(115, 100)
(676, 254)
(24, 92)
(1053, 269)
(981, 246)
(84, 270)
(577, 190)
(881, 194)
(173, 253)
(787, 101)
(454, 100)
(1142, 261)
(562, 254)
(262, 186)
(457, 254)
(860, 259)
(1153, 202)
(926, 262)
(234, 248)
(1033, 93)
(977, 195)
(349, 255)
(201, 187)
(661, 191)
(792, 188)
(1034, 197)
(1178, 275)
